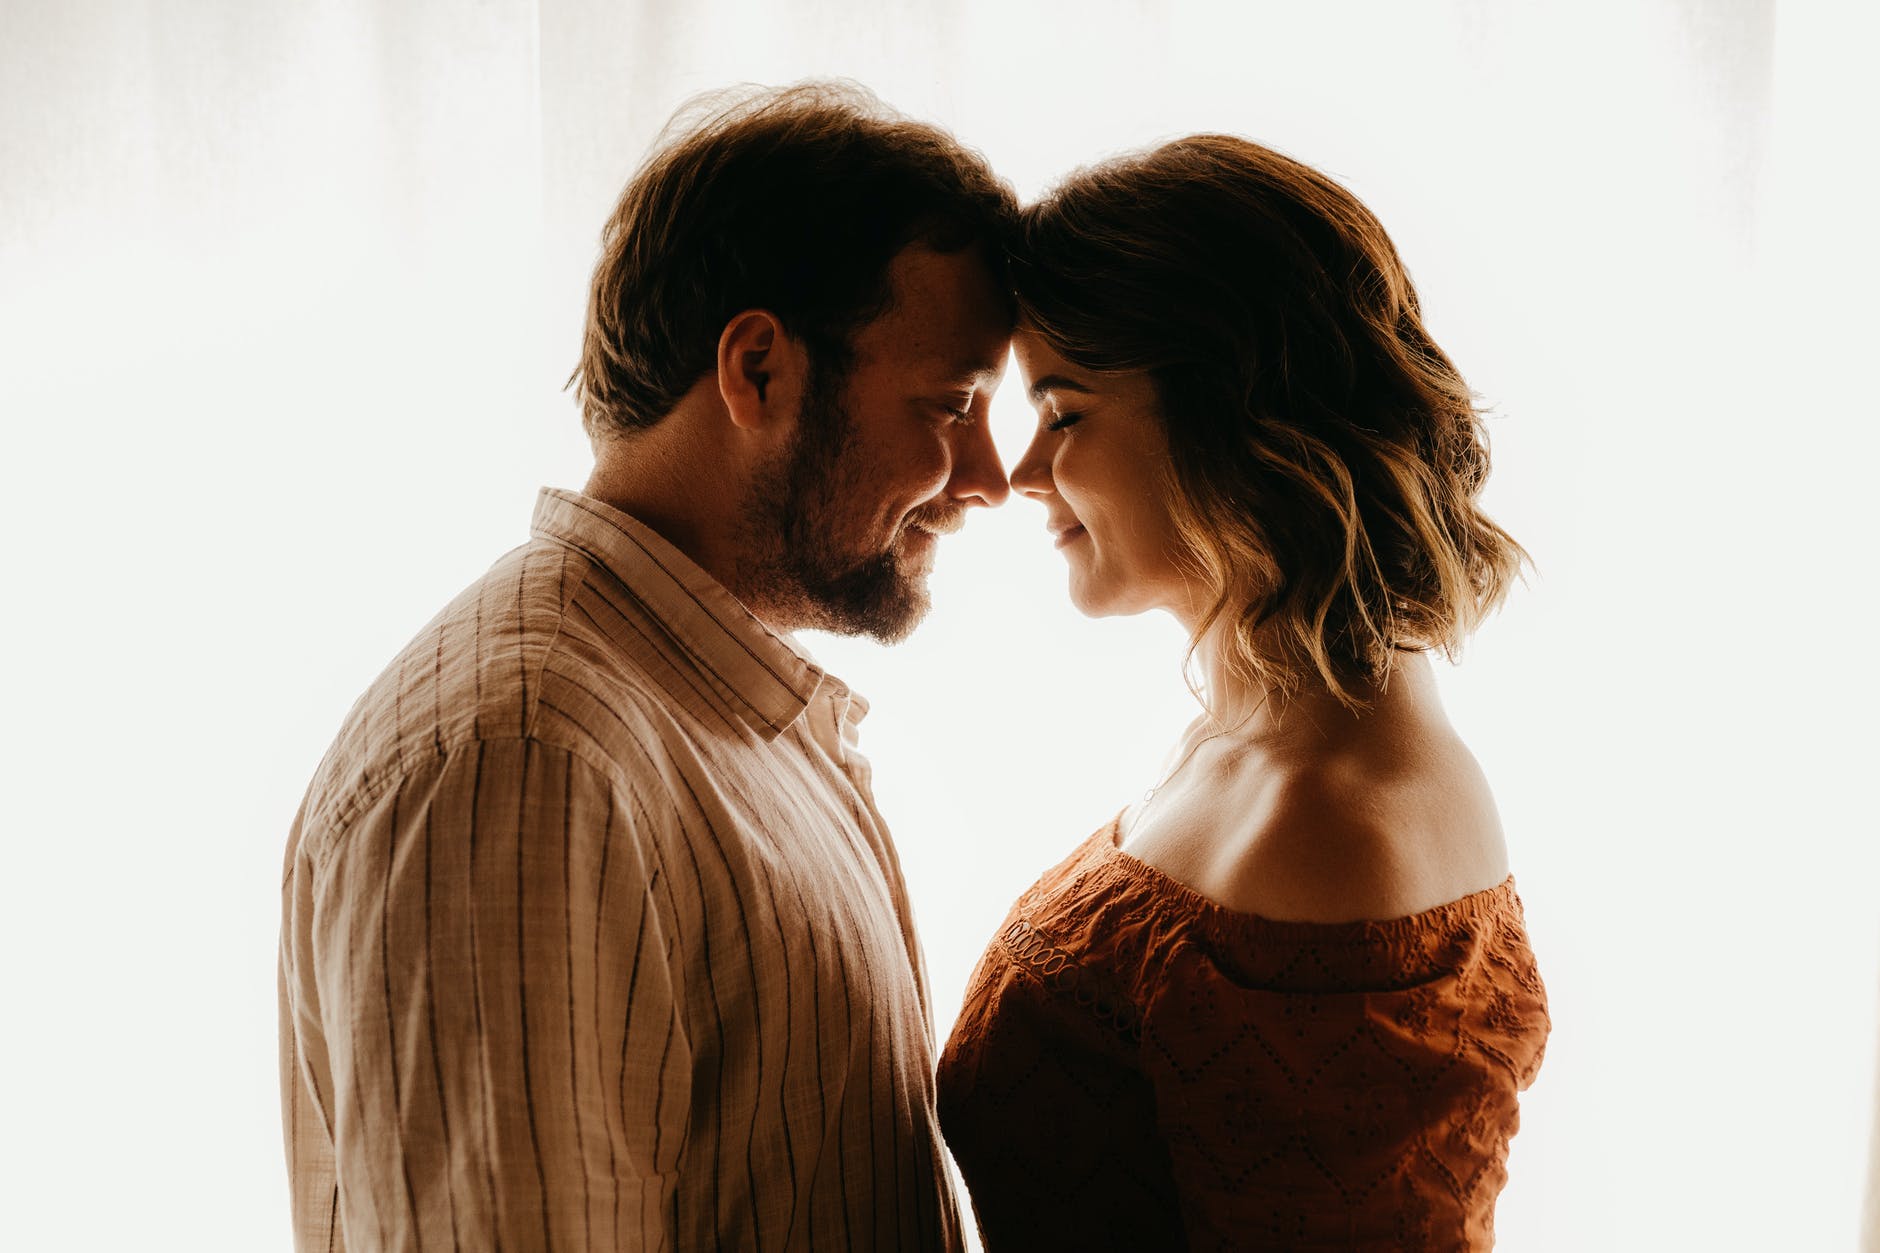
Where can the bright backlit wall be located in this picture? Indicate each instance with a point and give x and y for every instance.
(287, 295)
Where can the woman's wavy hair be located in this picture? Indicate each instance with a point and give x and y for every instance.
(1326, 456)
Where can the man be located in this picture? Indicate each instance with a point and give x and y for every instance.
(592, 937)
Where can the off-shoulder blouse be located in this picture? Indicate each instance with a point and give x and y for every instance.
(1138, 1067)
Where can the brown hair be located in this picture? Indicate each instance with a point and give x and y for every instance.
(1326, 456)
(791, 199)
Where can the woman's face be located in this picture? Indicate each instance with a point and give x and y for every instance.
(1097, 464)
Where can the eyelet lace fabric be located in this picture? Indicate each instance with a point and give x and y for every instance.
(1137, 1067)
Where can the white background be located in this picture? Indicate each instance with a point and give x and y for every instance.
(287, 294)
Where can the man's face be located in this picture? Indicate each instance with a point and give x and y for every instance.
(843, 526)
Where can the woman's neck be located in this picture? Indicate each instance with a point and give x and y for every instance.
(1310, 716)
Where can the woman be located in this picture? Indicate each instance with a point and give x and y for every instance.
(1285, 1001)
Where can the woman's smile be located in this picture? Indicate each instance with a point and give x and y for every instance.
(1069, 535)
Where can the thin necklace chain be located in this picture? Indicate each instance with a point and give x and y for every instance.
(1186, 758)
(1195, 748)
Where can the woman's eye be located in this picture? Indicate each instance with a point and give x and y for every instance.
(1063, 420)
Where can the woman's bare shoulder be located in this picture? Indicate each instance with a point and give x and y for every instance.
(1340, 839)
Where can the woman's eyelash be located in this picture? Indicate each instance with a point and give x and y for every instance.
(1068, 419)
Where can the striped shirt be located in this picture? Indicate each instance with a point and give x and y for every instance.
(592, 937)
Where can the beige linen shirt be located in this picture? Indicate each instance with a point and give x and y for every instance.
(592, 937)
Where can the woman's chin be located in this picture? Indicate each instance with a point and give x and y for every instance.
(1095, 599)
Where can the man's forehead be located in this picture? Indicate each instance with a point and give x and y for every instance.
(981, 370)
(945, 318)
(944, 346)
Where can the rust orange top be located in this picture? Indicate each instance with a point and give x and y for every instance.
(1137, 1067)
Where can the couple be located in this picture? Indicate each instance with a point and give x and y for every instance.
(592, 936)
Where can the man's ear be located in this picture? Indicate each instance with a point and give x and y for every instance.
(760, 369)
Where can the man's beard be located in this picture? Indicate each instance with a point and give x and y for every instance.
(794, 525)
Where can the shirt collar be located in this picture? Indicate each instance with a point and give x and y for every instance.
(766, 678)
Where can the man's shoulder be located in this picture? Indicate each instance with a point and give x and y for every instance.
(523, 654)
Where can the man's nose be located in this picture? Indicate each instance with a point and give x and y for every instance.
(978, 474)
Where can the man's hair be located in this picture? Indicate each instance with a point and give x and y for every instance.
(793, 200)
(1326, 455)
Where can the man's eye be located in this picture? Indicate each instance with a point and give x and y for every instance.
(1064, 420)
(961, 416)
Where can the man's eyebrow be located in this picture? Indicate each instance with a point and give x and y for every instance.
(1056, 383)
(974, 371)
(973, 374)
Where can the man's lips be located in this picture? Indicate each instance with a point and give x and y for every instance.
(1069, 534)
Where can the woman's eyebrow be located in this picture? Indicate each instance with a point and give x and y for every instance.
(1056, 383)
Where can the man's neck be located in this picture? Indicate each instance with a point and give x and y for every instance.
(654, 475)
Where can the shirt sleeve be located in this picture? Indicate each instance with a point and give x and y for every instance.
(502, 1057)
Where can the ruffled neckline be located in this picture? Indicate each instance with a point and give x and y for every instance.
(1420, 944)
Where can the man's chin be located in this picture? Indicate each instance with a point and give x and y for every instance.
(893, 619)
(909, 613)
(884, 601)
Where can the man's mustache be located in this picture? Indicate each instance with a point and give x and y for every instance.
(939, 519)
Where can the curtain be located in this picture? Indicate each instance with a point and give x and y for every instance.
(287, 296)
